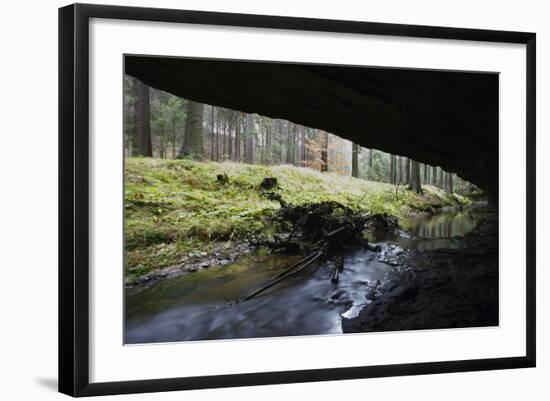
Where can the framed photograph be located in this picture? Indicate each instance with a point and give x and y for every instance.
(252, 199)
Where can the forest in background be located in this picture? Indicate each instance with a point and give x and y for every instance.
(158, 124)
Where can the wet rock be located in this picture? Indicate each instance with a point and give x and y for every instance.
(437, 289)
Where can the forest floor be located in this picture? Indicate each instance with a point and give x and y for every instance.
(178, 216)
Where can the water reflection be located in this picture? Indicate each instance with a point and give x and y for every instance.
(429, 232)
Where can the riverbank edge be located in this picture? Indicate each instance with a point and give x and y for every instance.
(223, 253)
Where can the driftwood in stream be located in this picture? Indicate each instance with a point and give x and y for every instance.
(319, 230)
(325, 225)
(301, 265)
(338, 267)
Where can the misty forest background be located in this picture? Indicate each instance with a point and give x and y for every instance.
(158, 124)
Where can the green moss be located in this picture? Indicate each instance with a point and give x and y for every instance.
(173, 207)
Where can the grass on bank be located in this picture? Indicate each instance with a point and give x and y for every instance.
(176, 207)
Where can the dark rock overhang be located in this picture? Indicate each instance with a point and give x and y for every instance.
(443, 118)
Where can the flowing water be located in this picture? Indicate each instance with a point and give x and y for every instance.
(201, 305)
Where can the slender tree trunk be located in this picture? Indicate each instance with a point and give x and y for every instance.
(392, 168)
(354, 160)
(324, 151)
(268, 144)
(295, 148)
(238, 137)
(193, 139)
(224, 141)
(303, 147)
(450, 181)
(370, 158)
(415, 177)
(425, 174)
(143, 122)
(217, 145)
(408, 171)
(289, 148)
(230, 139)
(163, 141)
(434, 175)
(132, 134)
(212, 135)
(280, 141)
(174, 137)
(249, 140)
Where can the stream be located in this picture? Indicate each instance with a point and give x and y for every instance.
(201, 305)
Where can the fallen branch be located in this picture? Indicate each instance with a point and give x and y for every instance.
(298, 263)
(335, 275)
(280, 278)
(338, 267)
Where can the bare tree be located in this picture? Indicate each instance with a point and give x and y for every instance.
(143, 122)
(354, 160)
(415, 177)
(324, 151)
(193, 139)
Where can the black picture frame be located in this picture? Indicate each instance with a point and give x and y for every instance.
(74, 198)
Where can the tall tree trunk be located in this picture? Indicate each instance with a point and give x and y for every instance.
(230, 139)
(249, 140)
(193, 139)
(441, 178)
(324, 151)
(370, 158)
(280, 141)
(434, 175)
(392, 169)
(408, 171)
(289, 147)
(224, 141)
(425, 173)
(131, 133)
(415, 177)
(268, 144)
(450, 181)
(173, 137)
(354, 160)
(238, 137)
(217, 144)
(212, 134)
(143, 120)
(162, 142)
(303, 147)
(295, 146)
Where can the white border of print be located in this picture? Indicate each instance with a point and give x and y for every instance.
(110, 360)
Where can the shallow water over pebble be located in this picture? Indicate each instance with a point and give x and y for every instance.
(201, 305)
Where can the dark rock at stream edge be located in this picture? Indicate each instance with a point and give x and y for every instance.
(445, 288)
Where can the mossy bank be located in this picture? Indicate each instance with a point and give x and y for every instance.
(176, 209)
